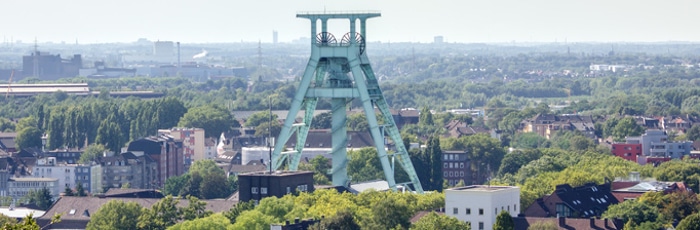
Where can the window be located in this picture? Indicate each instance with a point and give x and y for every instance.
(455, 211)
(254, 190)
(469, 211)
(444, 174)
(263, 190)
(445, 157)
(481, 225)
(481, 212)
(461, 165)
(444, 165)
(461, 173)
(289, 190)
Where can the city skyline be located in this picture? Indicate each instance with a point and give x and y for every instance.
(218, 21)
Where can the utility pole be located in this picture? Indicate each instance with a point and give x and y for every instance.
(269, 132)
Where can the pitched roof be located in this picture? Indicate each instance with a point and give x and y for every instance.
(523, 223)
(589, 200)
(76, 211)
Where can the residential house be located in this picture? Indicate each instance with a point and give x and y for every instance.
(479, 205)
(258, 185)
(456, 168)
(655, 144)
(524, 223)
(7, 142)
(457, 129)
(133, 168)
(76, 211)
(166, 151)
(586, 201)
(547, 125)
(193, 143)
(20, 187)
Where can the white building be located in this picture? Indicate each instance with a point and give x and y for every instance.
(19, 187)
(49, 168)
(193, 143)
(480, 204)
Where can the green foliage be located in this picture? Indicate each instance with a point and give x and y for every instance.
(364, 165)
(693, 133)
(6, 125)
(343, 220)
(529, 140)
(687, 170)
(690, 222)
(41, 198)
(626, 127)
(195, 209)
(204, 180)
(28, 137)
(215, 221)
(513, 161)
(213, 119)
(253, 219)
(92, 153)
(260, 118)
(6, 220)
(322, 121)
(79, 190)
(116, 215)
(486, 151)
(235, 211)
(635, 211)
(162, 214)
(504, 221)
(433, 221)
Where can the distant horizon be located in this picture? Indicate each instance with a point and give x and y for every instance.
(221, 21)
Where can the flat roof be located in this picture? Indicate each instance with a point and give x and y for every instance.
(20, 212)
(483, 188)
(275, 173)
(33, 179)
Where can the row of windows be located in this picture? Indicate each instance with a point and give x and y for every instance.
(452, 165)
(468, 211)
(254, 190)
(450, 157)
(452, 174)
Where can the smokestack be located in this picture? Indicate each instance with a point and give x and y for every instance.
(178, 57)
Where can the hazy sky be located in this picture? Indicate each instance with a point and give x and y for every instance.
(99, 21)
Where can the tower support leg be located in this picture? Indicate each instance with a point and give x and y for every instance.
(339, 141)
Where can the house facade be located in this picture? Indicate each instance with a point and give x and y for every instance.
(479, 205)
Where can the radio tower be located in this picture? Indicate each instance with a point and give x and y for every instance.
(340, 70)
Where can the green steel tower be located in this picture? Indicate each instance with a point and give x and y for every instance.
(340, 70)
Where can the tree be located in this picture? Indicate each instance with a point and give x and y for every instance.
(109, 133)
(41, 198)
(322, 121)
(259, 118)
(92, 153)
(5, 220)
(690, 222)
(634, 211)
(235, 211)
(117, 215)
(426, 117)
(213, 119)
(68, 191)
(434, 221)
(504, 221)
(693, 133)
(162, 214)
(28, 137)
(343, 220)
(434, 153)
(174, 185)
(513, 161)
(626, 127)
(79, 190)
(391, 212)
(252, 219)
(195, 209)
(215, 221)
(215, 186)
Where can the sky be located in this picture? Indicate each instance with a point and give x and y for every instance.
(463, 21)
